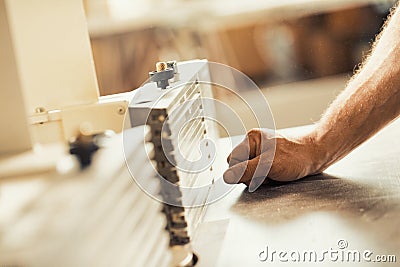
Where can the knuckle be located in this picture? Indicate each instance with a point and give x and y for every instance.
(254, 131)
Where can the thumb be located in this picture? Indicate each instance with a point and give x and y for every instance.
(245, 171)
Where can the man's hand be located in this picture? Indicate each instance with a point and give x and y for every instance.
(369, 102)
(254, 157)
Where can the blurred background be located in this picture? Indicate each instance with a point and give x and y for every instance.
(300, 52)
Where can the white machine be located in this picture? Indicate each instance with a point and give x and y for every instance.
(101, 210)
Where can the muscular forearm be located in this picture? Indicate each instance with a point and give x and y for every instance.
(370, 101)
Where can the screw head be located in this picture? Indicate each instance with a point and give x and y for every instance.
(121, 110)
(160, 66)
(40, 110)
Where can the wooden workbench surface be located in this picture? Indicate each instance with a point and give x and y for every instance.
(356, 200)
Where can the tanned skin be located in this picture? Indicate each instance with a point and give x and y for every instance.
(370, 101)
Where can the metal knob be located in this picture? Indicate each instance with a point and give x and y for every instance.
(162, 75)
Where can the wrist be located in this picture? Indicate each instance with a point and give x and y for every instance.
(318, 155)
